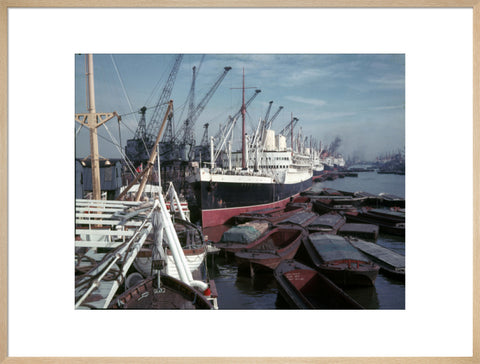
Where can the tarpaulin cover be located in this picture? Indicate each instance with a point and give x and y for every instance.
(333, 247)
(245, 233)
(299, 218)
(327, 220)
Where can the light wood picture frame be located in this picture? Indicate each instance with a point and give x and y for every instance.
(4, 160)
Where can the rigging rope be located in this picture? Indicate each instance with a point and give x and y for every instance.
(124, 156)
(121, 83)
(78, 130)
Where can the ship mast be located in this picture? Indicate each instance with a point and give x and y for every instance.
(93, 120)
(291, 131)
(243, 122)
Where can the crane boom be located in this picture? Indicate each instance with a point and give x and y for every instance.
(186, 131)
(191, 94)
(138, 148)
(162, 104)
(225, 127)
(268, 111)
(269, 123)
(204, 141)
(287, 130)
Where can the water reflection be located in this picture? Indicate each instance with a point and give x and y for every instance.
(238, 292)
(366, 296)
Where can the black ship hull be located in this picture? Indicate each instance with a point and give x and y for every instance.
(220, 201)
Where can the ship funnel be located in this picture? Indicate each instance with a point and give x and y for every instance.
(281, 142)
(269, 140)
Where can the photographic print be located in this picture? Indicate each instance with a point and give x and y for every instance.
(240, 181)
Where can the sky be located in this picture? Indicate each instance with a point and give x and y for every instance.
(359, 98)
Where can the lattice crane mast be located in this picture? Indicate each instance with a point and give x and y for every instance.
(204, 141)
(186, 132)
(138, 148)
(191, 94)
(288, 129)
(142, 125)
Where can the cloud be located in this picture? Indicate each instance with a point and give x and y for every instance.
(393, 107)
(359, 97)
(299, 77)
(331, 115)
(308, 101)
(388, 82)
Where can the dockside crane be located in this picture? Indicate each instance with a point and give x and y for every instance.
(144, 175)
(142, 125)
(221, 134)
(269, 123)
(263, 125)
(288, 129)
(186, 132)
(268, 111)
(138, 148)
(204, 141)
(191, 94)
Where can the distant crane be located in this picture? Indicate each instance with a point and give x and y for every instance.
(190, 99)
(269, 122)
(288, 129)
(186, 131)
(268, 111)
(223, 129)
(204, 141)
(137, 149)
(142, 125)
(169, 148)
(201, 150)
(264, 125)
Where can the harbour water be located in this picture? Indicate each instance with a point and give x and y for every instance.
(242, 292)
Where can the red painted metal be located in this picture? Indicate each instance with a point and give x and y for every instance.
(220, 216)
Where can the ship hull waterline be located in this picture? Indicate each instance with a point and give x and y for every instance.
(219, 202)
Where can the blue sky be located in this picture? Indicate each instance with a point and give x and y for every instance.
(360, 98)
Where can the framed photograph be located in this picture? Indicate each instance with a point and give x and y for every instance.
(364, 76)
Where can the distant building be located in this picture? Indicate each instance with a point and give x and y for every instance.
(110, 178)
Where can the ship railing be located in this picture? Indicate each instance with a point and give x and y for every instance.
(249, 172)
(118, 215)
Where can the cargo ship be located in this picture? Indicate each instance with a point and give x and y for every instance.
(264, 174)
(222, 194)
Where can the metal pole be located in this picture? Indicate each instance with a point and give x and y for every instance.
(153, 153)
(212, 154)
(92, 122)
(159, 175)
(243, 122)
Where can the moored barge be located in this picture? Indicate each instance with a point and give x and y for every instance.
(335, 257)
(303, 287)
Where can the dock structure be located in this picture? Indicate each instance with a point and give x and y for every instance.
(107, 233)
(390, 262)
